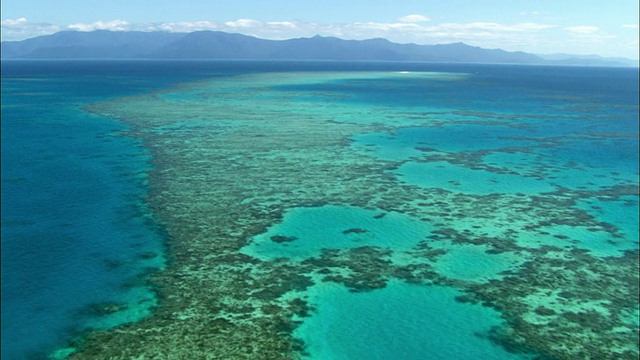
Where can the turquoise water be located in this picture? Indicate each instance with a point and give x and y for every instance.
(446, 138)
(472, 263)
(401, 321)
(451, 177)
(306, 231)
(622, 213)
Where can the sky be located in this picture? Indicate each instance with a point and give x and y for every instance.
(583, 27)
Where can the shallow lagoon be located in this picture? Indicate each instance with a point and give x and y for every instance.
(451, 177)
(400, 321)
(474, 263)
(304, 232)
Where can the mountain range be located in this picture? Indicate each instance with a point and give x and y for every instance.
(102, 44)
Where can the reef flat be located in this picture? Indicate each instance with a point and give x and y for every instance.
(252, 172)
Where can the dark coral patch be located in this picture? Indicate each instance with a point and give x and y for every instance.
(544, 311)
(281, 238)
(354, 231)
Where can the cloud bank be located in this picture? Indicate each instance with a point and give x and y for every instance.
(115, 25)
(22, 29)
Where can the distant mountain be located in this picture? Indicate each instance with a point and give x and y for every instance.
(103, 44)
(569, 59)
(96, 44)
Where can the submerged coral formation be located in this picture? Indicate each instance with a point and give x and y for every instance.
(237, 160)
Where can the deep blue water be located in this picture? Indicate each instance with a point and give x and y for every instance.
(74, 225)
(73, 220)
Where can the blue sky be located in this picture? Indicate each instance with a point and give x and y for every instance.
(603, 27)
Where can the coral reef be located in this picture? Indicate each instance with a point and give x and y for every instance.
(232, 156)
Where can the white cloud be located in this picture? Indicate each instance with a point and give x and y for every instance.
(115, 25)
(414, 18)
(386, 27)
(582, 30)
(275, 30)
(243, 23)
(183, 26)
(497, 28)
(19, 29)
(532, 27)
(14, 23)
(284, 24)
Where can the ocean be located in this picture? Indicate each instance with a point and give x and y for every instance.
(318, 210)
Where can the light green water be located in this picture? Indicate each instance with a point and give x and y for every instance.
(451, 177)
(401, 321)
(309, 230)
